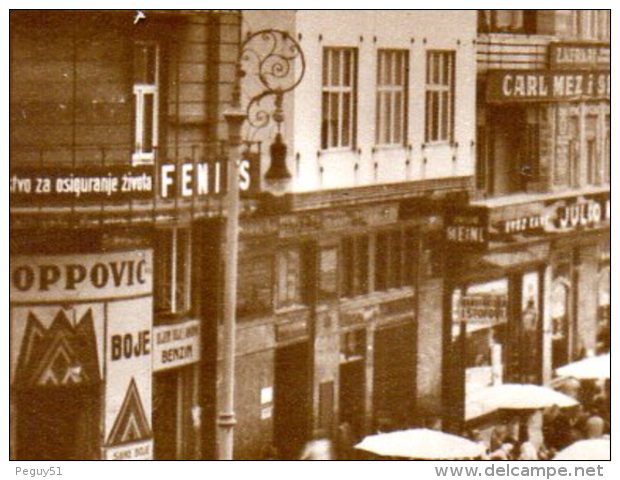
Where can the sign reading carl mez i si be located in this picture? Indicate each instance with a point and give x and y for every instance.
(508, 86)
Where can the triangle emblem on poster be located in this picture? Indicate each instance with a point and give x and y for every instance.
(131, 424)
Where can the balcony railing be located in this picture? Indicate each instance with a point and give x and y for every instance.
(509, 51)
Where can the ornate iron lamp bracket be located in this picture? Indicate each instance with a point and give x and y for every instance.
(272, 64)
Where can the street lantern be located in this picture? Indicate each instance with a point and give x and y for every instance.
(273, 64)
(275, 60)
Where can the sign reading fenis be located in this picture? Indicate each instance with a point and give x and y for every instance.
(509, 86)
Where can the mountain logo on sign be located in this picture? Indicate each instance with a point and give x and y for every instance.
(131, 424)
(61, 355)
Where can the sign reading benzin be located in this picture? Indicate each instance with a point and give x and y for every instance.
(176, 345)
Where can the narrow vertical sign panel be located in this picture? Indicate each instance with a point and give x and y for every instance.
(129, 344)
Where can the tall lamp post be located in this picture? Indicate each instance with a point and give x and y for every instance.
(275, 59)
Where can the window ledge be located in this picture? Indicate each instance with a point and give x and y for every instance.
(290, 309)
(438, 144)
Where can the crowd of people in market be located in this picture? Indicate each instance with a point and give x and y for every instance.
(561, 427)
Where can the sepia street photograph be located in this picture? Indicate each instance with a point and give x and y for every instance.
(310, 235)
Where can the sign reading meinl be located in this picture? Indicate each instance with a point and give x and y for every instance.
(573, 55)
(468, 228)
(510, 86)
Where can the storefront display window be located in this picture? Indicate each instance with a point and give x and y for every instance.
(604, 311)
(289, 277)
(255, 286)
(560, 323)
(483, 318)
(328, 273)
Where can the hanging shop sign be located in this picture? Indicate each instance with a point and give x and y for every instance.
(81, 185)
(468, 228)
(510, 86)
(484, 309)
(176, 345)
(577, 55)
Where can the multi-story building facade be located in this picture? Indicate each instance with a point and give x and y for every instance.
(117, 176)
(340, 301)
(529, 268)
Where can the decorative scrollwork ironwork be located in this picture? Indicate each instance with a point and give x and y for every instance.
(272, 64)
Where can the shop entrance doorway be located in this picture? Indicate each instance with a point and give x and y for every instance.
(58, 423)
(291, 400)
(351, 399)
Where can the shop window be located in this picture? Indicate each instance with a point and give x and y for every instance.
(173, 271)
(339, 98)
(440, 96)
(355, 263)
(607, 152)
(507, 21)
(392, 82)
(573, 152)
(593, 175)
(603, 334)
(482, 318)
(531, 149)
(560, 323)
(328, 273)
(395, 257)
(591, 24)
(146, 106)
(255, 286)
(173, 399)
(483, 159)
(290, 272)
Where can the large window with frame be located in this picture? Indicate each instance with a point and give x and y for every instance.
(355, 263)
(339, 98)
(395, 259)
(591, 24)
(607, 151)
(328, 273)
(593, 165)
(289, 274)
(440, 96)
(173, 271)
(392, 99)
(255, 285)
(146, 98)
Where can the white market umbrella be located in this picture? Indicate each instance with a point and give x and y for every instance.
(513, 396)
(588, 368)
(594, 449)
(421, 444)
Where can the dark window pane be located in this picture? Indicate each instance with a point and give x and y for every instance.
(148, 119)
